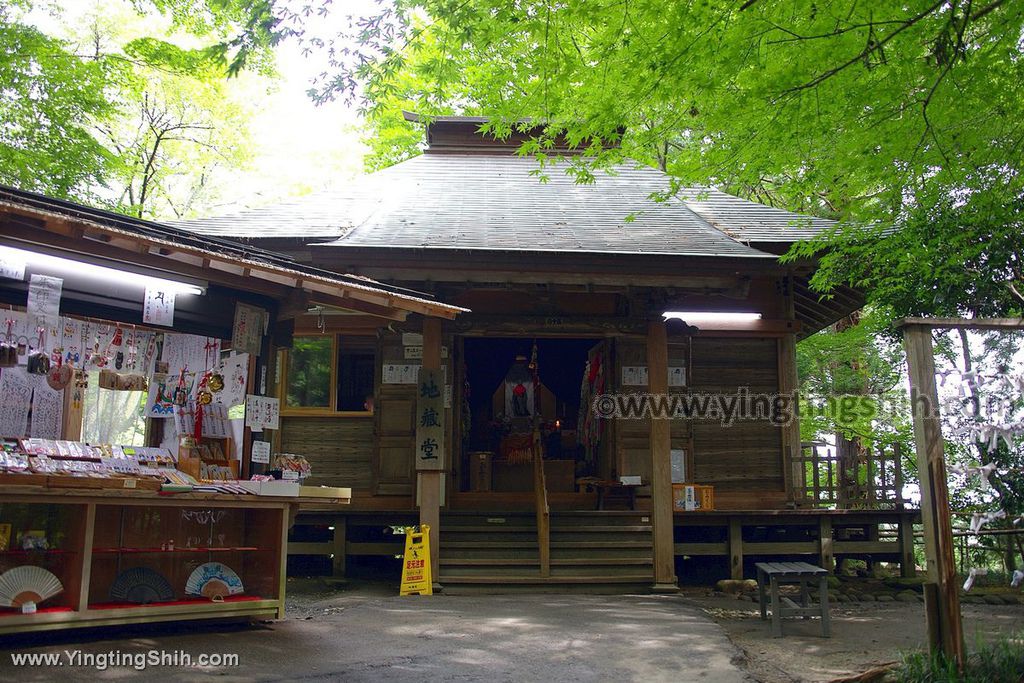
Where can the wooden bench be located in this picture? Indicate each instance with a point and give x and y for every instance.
(777, 573)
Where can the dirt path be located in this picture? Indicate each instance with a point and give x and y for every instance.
(863, 635)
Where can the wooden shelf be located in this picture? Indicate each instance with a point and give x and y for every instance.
(24, 553)
(233, 599)
(107, 532)
(144, 551)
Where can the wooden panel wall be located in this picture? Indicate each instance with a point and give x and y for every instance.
(339, 449)
(632, 437)
(744, 459)
(394, 410)
(395, 426)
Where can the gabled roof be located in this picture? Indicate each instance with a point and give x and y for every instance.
(497, 201)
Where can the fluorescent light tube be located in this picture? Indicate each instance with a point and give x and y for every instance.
(60, 264)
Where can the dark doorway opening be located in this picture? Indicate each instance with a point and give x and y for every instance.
(490, 427)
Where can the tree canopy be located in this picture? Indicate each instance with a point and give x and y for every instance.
(902, 119)
(109, 109)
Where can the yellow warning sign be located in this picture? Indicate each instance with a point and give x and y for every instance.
(416, 578)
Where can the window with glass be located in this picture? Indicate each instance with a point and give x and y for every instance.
(330, 373)
(310, 370)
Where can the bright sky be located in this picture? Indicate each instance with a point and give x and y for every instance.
(297, 147)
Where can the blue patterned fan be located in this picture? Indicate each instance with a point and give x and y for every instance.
(214, 580)
(141, 585)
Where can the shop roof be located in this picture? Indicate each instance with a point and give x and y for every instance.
(29, 218)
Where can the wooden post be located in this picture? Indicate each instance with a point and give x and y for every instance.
(943, 613)
(735, 548)
(338, 547)
(789, 384)
(431, 481)
(792, 471)
(661, 460)
(828, 560)
(908, 569)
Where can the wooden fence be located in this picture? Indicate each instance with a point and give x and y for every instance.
(848, 477)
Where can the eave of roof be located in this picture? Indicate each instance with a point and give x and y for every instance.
(255, 262)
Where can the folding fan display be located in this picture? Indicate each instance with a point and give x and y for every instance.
(141, 585)
(214, 580)
(27, 584)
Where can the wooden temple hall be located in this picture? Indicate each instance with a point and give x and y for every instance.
(483, 425)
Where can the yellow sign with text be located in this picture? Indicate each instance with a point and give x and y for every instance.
(416, 578)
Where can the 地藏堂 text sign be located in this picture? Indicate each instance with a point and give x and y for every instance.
(430, 420)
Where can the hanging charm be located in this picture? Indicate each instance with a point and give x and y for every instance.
(8, 348)
(59, 376)
(38, 362)
(96, 359)
(216, 383)
(117, 353)
(180, 394)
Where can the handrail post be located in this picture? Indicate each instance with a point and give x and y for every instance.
(540, 495)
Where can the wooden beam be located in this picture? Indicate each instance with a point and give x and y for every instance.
(965, 323)
(943, 612)
(661, 460)
(430, 482)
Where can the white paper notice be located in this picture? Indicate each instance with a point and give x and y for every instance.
(44, 300)
(261, 451)
(189, 351)
(235, 371)
(158, 308)
(635, 376)
(47, 410)
(16, 398)
(261, 412)
(677, 376)
(11, 265)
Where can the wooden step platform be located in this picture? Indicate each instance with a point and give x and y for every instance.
(591, 551)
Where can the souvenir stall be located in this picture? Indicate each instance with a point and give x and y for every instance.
(138, 480)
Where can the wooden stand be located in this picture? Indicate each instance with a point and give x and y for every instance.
(95, 535)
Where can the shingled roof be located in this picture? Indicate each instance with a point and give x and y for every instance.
(494, 200)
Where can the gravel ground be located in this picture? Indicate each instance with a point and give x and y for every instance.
(863, 635)
(367, 633)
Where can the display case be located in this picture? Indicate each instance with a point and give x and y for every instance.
(138, 556)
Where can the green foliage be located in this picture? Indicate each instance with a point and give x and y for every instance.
(998, 661)
(244, 30)
(114, 112)
(50, 100)
(905, 115)
(309, 372)
(851, 382)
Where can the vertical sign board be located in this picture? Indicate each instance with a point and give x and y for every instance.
(416, 571)
(430, 420)
(248, 329)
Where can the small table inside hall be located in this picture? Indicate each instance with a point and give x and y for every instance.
(776, 573)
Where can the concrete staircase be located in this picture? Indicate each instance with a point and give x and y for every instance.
(591, 552)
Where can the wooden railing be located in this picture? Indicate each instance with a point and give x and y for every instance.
(870, 479)
(540, 494)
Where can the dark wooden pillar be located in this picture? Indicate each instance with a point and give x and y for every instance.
(431, 481)
(942, 599)
(661, 460)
